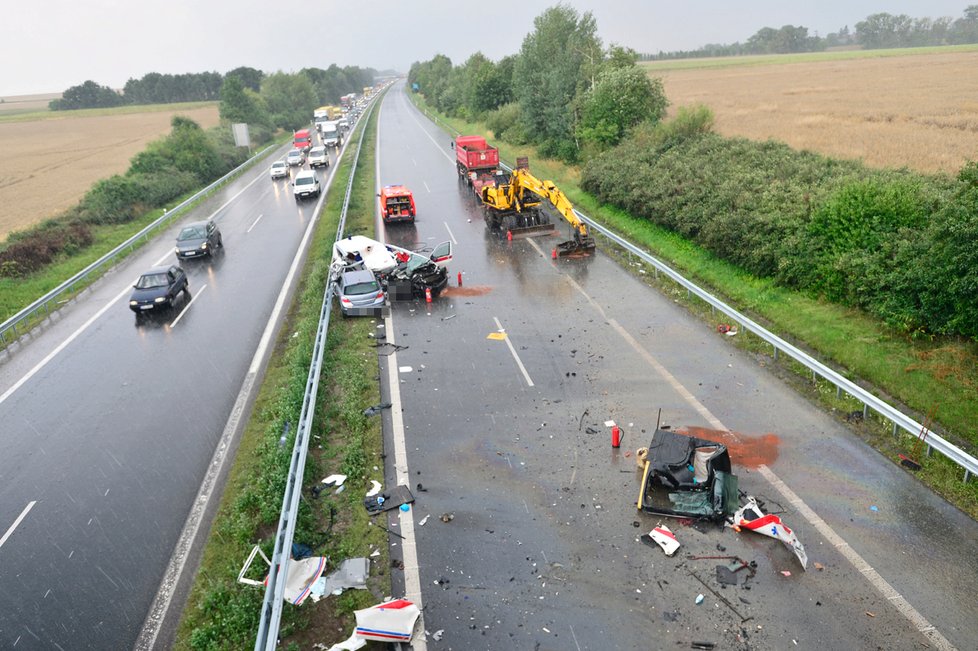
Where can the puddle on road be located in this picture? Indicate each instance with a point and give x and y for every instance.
(747, 451)
(474, 290)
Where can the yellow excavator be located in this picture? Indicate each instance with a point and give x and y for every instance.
(514, 208)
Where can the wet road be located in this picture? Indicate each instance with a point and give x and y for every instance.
(543, 550)
(105, 445)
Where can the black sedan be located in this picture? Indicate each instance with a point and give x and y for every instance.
(198, 239)
(157, 288)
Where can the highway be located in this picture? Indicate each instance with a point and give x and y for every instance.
(108, 426)
(542, 551)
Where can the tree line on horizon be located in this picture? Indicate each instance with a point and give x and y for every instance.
(877, 31)
(156, 88)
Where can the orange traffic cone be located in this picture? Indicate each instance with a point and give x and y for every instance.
(553, 254)
(509, 236)
(460, 279)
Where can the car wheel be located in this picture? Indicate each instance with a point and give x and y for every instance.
(220, 242)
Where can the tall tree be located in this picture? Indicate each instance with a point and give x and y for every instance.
(250, 77)
(290, 99)
(559, 58)
(621, 98)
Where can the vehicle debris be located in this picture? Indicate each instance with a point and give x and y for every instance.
(702, 645)
(391, 621)
(423, 521)
(684, 476)
(388, 500)
(376, 409)
(720, 597)
(664, 538)
(447, 517)
(351, 575)
(751, 517)
(334, 480)
(375, 487)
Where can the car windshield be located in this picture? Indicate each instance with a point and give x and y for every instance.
(305, 180)
(357, 289)
(295, 154)
(416, 261)
(279, 165)
(192, 233)
(151, 280)
(318, 151)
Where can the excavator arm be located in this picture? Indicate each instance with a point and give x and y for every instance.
(525, 191)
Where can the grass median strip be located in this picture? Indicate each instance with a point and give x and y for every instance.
(223, 614)
(915, 374)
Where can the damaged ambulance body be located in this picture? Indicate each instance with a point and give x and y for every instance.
(687, 477)
(406, 274)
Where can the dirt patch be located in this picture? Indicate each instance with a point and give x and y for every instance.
(917, 111)
(473, 290)
(48, 165)
(747, 451)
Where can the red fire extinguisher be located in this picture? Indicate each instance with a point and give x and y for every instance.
(615, 436)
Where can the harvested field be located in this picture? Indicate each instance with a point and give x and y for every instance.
(49, 163)
(918, 111)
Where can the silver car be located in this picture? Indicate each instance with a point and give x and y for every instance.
(359, 292)
(318, 157)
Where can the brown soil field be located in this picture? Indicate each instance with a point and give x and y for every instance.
(48, 164)
(916, 111)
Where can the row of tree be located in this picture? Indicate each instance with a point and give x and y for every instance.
(563, 92)
(877, 31)
(155, 88)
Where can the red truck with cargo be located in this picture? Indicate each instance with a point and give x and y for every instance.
(477, 162)
(302, 140)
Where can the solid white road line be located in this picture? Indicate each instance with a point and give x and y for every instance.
(450, 233)
(426, 186)
(412, 573)
(512, 349)
(821, 526)
(187, 306)
(20, 518)
(255, 223)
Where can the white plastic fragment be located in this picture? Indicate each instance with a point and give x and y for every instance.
(374, 488)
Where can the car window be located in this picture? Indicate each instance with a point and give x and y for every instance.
(152, 280)
(361, 288)
(305, 180)
(191, 233)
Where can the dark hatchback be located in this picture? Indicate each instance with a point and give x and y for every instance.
(157, 289)
(198, 239)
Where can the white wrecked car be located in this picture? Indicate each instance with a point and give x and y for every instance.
(406, 274)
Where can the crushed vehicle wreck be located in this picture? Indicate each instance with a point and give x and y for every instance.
(687, 477)
(406, 274)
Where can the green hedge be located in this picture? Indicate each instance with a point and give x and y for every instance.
(898, 244)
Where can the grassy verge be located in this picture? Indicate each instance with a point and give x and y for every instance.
(918, 375)
(223, 614)
(801, 57)
(47, 114)
(18, 293)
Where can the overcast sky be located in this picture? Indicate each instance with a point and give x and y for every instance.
(49, 45)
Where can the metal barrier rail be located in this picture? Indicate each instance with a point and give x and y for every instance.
(271, 609)
(67, 287)
(870, 401)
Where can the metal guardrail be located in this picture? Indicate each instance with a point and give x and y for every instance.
(9, 328)
(271, 609)
(900, 420)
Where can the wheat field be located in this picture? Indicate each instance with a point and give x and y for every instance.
(915, 110)
(48, 162)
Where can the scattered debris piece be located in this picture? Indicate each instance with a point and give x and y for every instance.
(436, 636)
(421, 489)
(699, 598)
(375, 487)
(351, 575)
(785, 573)
(726, 576)
(874, 508)
(334, 480)
(720, 597)
(375, 553)
(300, 551)
(397, 564)
(299, 577)
(391, 621)
(702, 645)
(376, 409)
(423, 521)
(447, 517)
(405, 507)
(609, 423)
(870, 614)
(751, 517)
(664, 538)
(819, 566)
(388, 500)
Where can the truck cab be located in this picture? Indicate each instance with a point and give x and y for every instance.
(397, 204)
(302, 140)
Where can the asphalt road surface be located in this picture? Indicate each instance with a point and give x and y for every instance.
(108, 425)
(506, 435)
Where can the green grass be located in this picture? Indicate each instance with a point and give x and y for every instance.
(918, 374)
(222, 614)
(47, 114)
(801, 57)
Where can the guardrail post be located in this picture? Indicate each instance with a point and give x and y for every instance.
(895, 429)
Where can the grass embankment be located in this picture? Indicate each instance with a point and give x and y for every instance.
(47, 114)
(921, 374)
(223, 614)
(800, 57)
